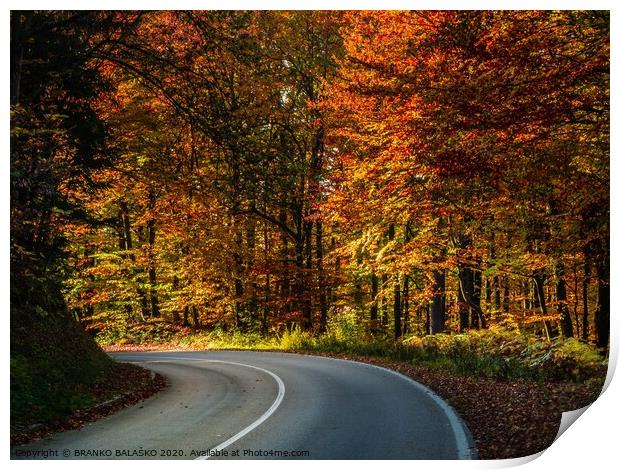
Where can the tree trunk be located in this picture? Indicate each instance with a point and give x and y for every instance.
(300, 277)
(195, 317)
(585, 287)
(374, 306)
(150, 228)
(527, 297)
(577, 331)
(321, 276)
(477, 313)
(307, 298)
(396, 283)
(601, 314)
(406, 239)
(186, 316)
(266, 306)
(488, 294)
(285, 280)
(239, 304)
(384, 304)
(122, 246)
(566, 324)
(497, 298)
(252, 286)
(397, 308)
(539, 290)
(506, 299)
(176, 317)
(464, 274)
(438, 308)
(331, 298)
(406, 305)
(19, 22)
(128, 246)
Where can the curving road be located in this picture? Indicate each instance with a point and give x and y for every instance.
(237, 404)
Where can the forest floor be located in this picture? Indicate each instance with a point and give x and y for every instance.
(123, 385)
(508, 418)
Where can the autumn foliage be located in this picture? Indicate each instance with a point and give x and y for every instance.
(429, 171)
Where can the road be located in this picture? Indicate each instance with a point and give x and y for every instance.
(238, 404)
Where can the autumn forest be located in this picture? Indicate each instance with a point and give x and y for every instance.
(375, 177)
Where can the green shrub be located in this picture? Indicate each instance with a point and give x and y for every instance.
(344, 326)
(568, 358)
(433, 345)
(504, 353)
(296, 340)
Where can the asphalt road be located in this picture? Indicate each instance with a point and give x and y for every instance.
(237, 404)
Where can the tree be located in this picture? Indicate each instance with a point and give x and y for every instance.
(57, 141)
(468, 115)
(244, 86)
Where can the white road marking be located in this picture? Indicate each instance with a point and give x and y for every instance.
(274, 406)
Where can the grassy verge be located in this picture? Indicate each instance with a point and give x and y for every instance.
(494, 353)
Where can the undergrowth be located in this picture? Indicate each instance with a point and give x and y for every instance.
(496, 352)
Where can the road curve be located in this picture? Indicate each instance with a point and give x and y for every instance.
(253, 405)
